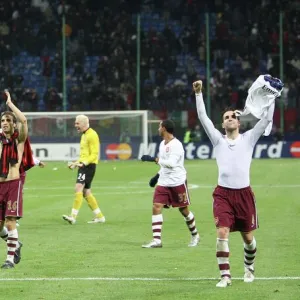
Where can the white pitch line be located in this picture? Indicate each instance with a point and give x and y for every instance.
(94, 188)
(103, 193)
(137, 279)
(279, 186)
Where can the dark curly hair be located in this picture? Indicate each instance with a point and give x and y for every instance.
(169, 125)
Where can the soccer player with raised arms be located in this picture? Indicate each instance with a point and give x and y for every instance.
(88, 160)
(234, 205)
(12, 146)
(171, 189)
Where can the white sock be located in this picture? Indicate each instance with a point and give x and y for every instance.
(12, 244)
(223, 257)
(96, 211)
(74, 213)
(249, 254)
(191, 224)
(157, 221)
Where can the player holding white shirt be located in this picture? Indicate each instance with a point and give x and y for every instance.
(171, 189)
(234, 203)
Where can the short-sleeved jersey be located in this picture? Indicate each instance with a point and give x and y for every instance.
(89, 147)
(171, 161)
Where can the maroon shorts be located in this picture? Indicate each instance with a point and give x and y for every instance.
(176, 196)
(235, 209)
(11, 199)
(23, 177)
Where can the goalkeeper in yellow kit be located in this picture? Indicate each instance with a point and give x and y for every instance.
(88, 159)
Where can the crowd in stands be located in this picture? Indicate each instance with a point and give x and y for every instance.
(101, 60)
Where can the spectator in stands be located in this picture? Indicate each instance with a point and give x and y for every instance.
(125, 137)
(101, 51)
(196, 135)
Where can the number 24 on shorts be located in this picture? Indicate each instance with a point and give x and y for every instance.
(81, 177)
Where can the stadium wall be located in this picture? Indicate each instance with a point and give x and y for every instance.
(122, 151)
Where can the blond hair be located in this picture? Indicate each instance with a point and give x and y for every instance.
(83, 119)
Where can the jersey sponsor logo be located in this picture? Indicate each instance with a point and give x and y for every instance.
(270, 91)
(167, 149)
(118, 151)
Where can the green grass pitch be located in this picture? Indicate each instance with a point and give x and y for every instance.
(106, 261)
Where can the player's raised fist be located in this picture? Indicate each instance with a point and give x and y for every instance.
(197, 86)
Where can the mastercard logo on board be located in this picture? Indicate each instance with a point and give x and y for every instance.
(118, 151)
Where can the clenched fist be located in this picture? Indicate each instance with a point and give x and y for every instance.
(197, 86)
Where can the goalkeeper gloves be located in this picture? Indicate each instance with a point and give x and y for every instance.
(153, 180)
(274, 82)
(147, 158)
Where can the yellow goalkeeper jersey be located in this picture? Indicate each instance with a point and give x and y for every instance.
(89, 147)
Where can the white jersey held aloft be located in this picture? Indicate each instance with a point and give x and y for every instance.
(261, 95)
(171, 161)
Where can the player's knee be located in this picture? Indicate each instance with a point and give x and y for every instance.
(10, 223)
(184, 211)
(223, 232)
(248, 239)
(87, 192)
(78, 188)
(157, 208)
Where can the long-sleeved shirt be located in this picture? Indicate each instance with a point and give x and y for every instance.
(171, 161)
(89, 147)
(233, 157)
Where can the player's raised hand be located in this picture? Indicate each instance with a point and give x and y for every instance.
(238, 113)
(8, 98)
(197, 86)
